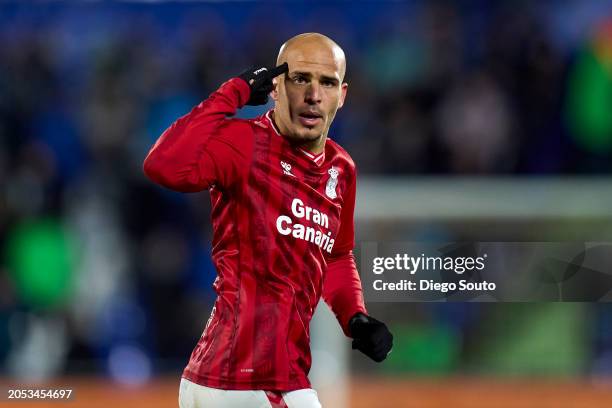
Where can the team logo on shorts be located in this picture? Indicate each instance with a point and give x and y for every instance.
(332, 183)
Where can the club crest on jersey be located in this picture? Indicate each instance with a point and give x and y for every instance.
(332, 183)
(286, 168)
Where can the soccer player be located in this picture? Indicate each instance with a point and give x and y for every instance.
(283, 197)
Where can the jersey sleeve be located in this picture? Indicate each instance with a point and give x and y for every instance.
(204, 147)
(345, 240)
(342, 286)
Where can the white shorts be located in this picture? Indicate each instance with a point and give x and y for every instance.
(193, 395)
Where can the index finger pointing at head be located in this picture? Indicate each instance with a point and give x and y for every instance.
(281, 69)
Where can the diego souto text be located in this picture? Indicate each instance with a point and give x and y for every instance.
(430, 285)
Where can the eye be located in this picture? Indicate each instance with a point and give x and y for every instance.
(328, 83)
(299, 79)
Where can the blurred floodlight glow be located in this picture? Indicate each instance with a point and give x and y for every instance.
(129, 365)
(124, 319)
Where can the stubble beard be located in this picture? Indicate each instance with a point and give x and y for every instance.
(302, 136)
(307, 139)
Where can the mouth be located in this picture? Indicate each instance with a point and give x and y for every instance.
(310, 118)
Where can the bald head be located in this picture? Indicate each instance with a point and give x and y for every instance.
(313, 48)
(307, 97)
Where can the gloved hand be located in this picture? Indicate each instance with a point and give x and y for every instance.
(260, 82)
(370, 336)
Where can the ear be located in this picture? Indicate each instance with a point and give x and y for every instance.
(344, 88)
(274, 93)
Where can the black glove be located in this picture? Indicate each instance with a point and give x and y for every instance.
(260, 82)
(371, 337)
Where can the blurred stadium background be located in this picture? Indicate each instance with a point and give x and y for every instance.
(468, 120)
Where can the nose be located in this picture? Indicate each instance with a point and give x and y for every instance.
(313, 93)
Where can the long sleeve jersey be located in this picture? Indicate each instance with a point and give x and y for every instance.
(283, 235)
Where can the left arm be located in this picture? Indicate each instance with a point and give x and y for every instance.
(343, 293)
(342, 287)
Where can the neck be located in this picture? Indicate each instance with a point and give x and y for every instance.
(313, 146)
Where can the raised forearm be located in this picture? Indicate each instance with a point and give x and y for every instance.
(180, 159)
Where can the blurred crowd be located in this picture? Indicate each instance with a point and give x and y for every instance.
(103, 271)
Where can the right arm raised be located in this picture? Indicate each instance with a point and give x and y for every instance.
(203, 148)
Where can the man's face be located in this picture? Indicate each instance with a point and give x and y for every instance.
(308, 96)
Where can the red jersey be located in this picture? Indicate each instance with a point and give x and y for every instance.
(283, 235)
